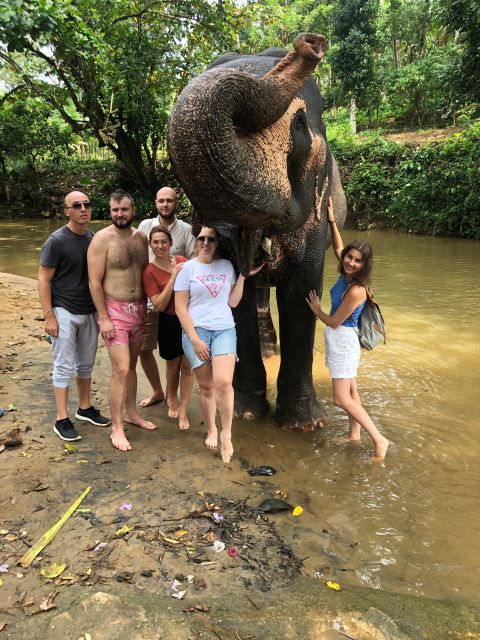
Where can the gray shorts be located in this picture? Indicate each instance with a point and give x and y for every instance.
(75, 347)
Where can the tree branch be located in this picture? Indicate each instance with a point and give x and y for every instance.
(54, 65)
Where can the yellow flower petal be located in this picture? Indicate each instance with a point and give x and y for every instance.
(334, 585)
(297, 511)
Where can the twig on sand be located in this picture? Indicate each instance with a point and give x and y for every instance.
(251, 601)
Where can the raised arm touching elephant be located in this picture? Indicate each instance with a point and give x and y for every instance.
(248, 145)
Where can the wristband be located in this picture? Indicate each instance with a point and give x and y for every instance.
(47, 313)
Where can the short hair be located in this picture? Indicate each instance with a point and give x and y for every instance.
(364, 275)
(120, 194)
(159, 229)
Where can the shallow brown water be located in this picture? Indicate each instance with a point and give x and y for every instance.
(409, 525)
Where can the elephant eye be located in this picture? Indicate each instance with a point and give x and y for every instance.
(299, 123)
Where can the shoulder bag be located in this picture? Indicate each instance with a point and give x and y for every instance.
(371, 325)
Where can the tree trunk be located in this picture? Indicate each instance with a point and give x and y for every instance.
(353, 116)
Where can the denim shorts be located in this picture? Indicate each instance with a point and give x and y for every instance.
(219, 343)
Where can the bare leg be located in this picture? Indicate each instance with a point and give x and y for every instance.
(173, 378)
(150, 368)
(186, 384)
(61, 401)
(120, 359)
(222, 369)
(84, 391)
(131, 415)
(207, 402)
(343, 399)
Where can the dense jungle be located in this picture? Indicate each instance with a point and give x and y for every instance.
(86, 89)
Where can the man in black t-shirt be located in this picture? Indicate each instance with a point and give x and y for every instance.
(69, 312)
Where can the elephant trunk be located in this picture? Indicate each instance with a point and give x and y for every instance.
(220, 138)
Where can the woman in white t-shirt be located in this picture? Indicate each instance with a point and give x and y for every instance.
(205, 291)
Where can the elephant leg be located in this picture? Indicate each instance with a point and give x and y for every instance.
(250, 378)
(297, 405)
(268, 335)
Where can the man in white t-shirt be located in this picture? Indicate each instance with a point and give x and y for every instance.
(183, 245)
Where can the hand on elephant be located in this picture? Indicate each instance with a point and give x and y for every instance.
(313, 302)
(201, 350)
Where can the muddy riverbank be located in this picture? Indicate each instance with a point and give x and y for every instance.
(145, 532)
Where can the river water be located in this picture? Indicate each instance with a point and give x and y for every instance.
(411, 524)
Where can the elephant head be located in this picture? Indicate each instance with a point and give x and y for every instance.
(248, 145)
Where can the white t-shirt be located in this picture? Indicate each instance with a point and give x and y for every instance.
(209, 287)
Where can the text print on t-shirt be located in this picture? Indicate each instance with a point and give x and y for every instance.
(213, 283)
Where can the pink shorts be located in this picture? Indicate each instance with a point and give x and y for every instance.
(128, 319)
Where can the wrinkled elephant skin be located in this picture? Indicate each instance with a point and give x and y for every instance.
(248, 145)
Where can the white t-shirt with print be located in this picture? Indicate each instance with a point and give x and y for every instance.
(209, 288)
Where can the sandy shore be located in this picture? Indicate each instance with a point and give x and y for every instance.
(122, 563)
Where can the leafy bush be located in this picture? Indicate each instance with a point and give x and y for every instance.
(430, 188)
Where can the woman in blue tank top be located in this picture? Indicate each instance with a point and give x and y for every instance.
(342, 347)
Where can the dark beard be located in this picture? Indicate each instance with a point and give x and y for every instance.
(123, 224)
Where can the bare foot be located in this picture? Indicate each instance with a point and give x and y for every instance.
(380, 450)
(347, 440)
(211, 441)
(138, 421)
(155, 398)
(226, 448)
(183, 421)
(119, 440)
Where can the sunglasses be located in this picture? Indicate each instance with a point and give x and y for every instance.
(78, 205)
(206, 239)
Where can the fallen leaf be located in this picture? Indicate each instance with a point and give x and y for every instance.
(123, 530)
(180, 533)
(1, 583)
(53, 571)
(297, 511)
(171, 540)
(47, 603)
(3, 625)
(2, 448)
(26, 455)
(10, 537)
(198, 607)
(11, 407)
(71, 448)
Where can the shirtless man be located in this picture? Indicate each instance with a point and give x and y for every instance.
(116, 258)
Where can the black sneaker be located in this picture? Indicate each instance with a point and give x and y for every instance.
(66, 431)
(92, 415)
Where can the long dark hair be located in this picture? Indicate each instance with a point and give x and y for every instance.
(363, 276)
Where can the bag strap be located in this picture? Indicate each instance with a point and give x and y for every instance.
(370, 298)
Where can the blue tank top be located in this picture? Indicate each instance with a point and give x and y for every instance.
(336, 293)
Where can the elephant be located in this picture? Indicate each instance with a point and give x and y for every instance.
(248, 146)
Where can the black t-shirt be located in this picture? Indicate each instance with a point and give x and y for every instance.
(66, 252)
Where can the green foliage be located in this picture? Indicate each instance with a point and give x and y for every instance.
(114, 68)
(431, 188)
(29, 133)
(354, 39)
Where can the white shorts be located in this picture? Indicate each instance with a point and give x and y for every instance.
(342, 351)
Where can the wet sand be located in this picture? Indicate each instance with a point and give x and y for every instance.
(175, 486)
